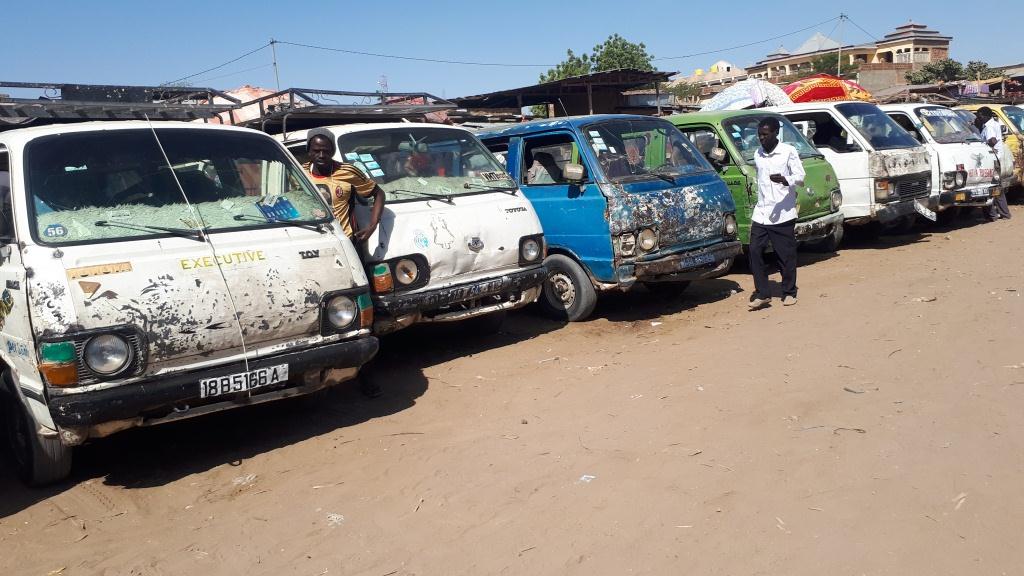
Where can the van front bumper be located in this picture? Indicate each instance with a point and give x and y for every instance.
(708, 262)
(819, 227)
(511, 285)
(971, 197)
(178, 395)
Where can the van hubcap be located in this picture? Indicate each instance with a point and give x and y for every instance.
(562, 288)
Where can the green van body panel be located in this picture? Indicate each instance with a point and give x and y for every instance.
(816, 213)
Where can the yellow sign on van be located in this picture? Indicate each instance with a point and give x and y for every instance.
(232, 259)
(99, 270)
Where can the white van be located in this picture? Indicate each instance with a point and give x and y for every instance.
(884, 174)
(157, 271)
(457, 239)
(965, 170)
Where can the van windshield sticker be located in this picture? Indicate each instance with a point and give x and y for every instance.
(941, 112)
(366, 157)
(282, 209)
(352, 156)
(422, 182)
(493, 176)
(595, 134)
(372, 165)
(55, 231)
(119, 215)
(377, 173)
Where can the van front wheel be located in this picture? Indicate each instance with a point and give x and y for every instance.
(568, 293)
(38, 460)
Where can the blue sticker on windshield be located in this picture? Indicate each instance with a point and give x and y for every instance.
(372, 165)
(352, 156)
(366, 157)
(55, 231)
(281, 210)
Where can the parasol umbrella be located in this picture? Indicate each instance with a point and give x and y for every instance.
(826, 88)
(749, 93)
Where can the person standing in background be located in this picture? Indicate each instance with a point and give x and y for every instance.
(992, 134)
(779, 172)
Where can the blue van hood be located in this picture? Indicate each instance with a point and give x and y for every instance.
(691, 213)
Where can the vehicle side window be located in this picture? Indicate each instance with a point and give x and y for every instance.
(705, 140)
(299, 152)
(545, 157)
(904, 121)
(823, 130)
(6, 211)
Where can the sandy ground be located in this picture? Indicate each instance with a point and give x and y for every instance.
(873, 429)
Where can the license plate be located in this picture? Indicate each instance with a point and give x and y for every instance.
(695, 261)
(924, 211)
(980, 193)
(243, 381)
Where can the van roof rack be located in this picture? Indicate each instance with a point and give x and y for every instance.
(54, 103)
(304, 108)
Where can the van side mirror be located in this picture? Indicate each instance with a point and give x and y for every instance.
(573, 172)
(1004, 130)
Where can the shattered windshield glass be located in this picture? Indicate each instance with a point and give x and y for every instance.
(116, 184)
(421, 163)
(945, 125)
(643, 149)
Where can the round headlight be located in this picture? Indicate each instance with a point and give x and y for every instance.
(341, 311)
(730, 225)
(531, 250)
(837, 199)
(106, 354)
(648, 240)
(406, 271)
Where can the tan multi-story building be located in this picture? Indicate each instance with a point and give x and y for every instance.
(908, 46)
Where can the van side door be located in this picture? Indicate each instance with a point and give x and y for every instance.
(571, 213)
(838, 141)
(17, 345)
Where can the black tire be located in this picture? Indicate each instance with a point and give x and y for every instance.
(487, 324)
(667, 288)
(948, 216)
(568, 293)
(867, 232)
(830, 243)
(903, 225)
(37, 460)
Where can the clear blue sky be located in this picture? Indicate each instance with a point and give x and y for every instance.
(146, 42)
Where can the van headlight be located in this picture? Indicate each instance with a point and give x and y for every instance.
(648, 240)
(531, 250)
(837, 199)
(406, 271)
(949, 180)
(730, 225)
(882, 190)
(341, 311)
(107, 354)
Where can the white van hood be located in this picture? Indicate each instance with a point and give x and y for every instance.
(475, 236)
(977, 159)
(172, 290)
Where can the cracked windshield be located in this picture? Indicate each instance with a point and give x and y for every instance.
(424, 163)
(640, 149)
(116, 184)
(946, 126)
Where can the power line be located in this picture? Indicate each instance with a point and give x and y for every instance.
(861, 29)
(260, 67)
(414, 58)
(219, 66)
(747, 44)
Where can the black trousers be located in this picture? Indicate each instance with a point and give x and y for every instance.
(1000, 208)
(782, 238)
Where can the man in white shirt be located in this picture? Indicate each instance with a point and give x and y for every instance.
(992, 134)
(779, 172)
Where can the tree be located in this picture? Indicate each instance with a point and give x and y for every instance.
(978, 70)
(829, 64)
(946, 70)
(682, 90)
(615, 52)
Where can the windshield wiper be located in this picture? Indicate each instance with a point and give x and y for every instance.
(441, 197)
(193, 233)
(307, 224)
(510, 189)
(660, 174)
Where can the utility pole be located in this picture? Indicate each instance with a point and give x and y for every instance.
(839, 60)
(273, 50)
